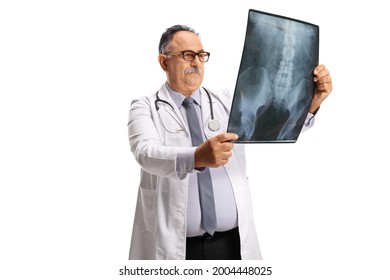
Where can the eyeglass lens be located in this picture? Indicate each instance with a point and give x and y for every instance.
(188, 55)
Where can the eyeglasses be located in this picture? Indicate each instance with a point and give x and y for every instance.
(190, 55)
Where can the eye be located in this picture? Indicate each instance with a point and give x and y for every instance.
(189, 55)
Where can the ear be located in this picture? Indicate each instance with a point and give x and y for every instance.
(162, 59)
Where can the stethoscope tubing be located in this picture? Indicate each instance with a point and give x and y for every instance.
(213, 124)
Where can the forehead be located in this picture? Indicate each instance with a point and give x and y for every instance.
(185, 40)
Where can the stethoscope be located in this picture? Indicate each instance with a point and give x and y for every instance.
(212, 124)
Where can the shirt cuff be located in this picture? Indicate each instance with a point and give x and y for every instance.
(185, 163)
(309, 122)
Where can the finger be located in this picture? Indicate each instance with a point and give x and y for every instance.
(324, 76)
(227, 146)
(223, 161)
(319, 68)
(324, 87)
(321, 75)
(225, 137)
(226, 155)
(324, 80)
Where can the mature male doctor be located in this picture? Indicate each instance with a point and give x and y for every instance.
(169, 220)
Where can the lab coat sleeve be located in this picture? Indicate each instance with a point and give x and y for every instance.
(185, 163)
(309, 122)
(146, 145)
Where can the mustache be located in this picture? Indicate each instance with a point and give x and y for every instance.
(193, 70)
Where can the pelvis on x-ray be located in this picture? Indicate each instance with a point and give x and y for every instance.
(275, 85)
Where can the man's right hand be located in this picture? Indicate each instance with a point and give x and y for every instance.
(216, 151)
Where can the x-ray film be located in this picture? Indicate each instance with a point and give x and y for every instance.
(275, 85)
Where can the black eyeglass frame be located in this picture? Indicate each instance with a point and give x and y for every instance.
(201, 55)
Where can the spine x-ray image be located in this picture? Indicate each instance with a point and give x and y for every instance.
(275, 85)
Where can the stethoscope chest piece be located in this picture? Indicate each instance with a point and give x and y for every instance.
(213, 125)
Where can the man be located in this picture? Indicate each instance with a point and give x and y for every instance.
(171, 219)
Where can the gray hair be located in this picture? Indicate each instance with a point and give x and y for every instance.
(166, 37)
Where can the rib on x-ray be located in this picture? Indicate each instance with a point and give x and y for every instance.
(275, 85)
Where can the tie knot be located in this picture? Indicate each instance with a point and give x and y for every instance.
(187, 101)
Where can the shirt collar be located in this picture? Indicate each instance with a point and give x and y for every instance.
(178, 98)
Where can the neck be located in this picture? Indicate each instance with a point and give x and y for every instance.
(182, 92)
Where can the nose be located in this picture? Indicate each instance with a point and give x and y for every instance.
(196, 61)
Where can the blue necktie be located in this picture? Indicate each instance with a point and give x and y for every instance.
(206, 194)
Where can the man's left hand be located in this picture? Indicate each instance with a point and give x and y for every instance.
(324, 87)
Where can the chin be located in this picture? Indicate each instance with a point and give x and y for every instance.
(195, 81)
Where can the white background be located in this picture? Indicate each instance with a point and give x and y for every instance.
(68, 72)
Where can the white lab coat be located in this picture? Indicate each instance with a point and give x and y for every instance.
(156, 138)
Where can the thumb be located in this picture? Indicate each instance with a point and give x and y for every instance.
(225, 137)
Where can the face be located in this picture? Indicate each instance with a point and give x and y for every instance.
(179, 75)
